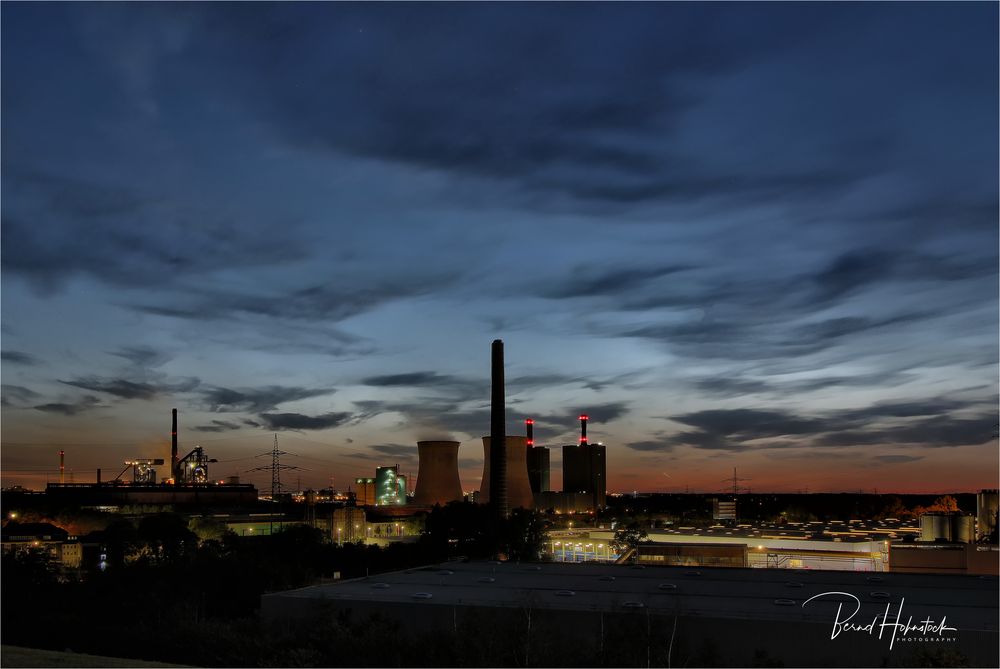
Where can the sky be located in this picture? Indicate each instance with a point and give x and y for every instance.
(753, 236)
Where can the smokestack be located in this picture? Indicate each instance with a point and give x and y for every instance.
(62, 466)
(498, 435)
(173, 448)
(583, 428)
(98, 476)
(529, 427)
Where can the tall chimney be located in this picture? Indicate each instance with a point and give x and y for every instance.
(498, 436)
(98, 476)
(62, 467)
(529, 427)
(583, 428)
(173, 449)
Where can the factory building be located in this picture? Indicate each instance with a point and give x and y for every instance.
(189, 483)
(585, 468)
(390, 486)
(438, 481)
(59, 548)
(364, 491)
(564, 502)
(737, 612)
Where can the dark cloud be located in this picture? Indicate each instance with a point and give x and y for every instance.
(938, 432)
(851, 271)
(85, 403)
(748, 424)
(924, 423)
(220, 426)
(590, 282)
(650, 446)
(257, 400)
(142, 356)
(731, 187)
(412, 379)
(549, 425)
(128, 389)
(337, 299)
(297, 421)
(395, 450)
(18, 358)
(896, 459)
(135, 240)
(15, 395)
(723, 386)
(118, 387)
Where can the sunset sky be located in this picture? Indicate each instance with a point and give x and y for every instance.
(761, 236)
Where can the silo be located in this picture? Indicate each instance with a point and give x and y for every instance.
(518, 487)
(963, 528)
(437, 475)
(986, 513)
(935, 527)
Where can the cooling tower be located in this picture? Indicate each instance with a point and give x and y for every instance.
(437, 476)
(518, 487)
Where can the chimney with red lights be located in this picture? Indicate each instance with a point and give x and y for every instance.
(173, 449)
(583, 428)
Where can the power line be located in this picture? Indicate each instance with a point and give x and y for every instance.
(275, 467)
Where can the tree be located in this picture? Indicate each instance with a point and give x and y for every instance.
(629, 537)
(523, 535)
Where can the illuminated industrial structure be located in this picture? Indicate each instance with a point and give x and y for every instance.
(189, 483)
(142, 470)
(364, 493)
(437, 477)
(390, 486)
(193, 467)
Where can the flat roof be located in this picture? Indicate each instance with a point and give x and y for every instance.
(969, 602)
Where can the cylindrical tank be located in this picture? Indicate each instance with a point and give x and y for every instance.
(986, 512)
(437, 475)
(963, 528)
(935, 527)
(518, 487)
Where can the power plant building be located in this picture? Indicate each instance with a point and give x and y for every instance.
(585, 468)
(538, 462)
(538, 469)
(518, 488)
(364, 493)
(390, 486)
(438, 481)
